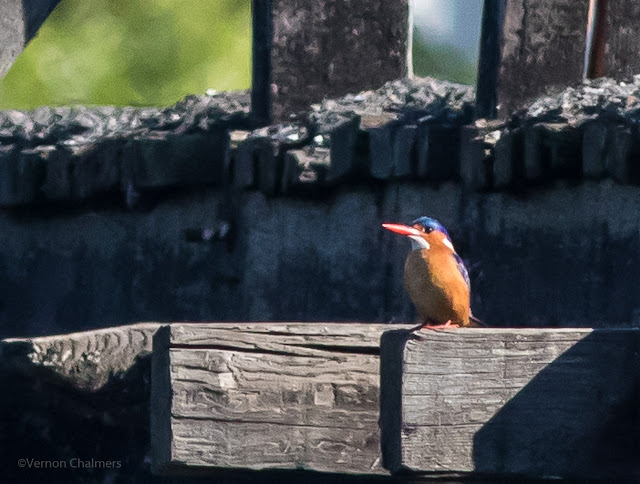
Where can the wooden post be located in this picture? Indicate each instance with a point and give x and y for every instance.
(313, 49)
(266, 396)
(530, 402)
(542, 48)
(622, 60)
(19, 23)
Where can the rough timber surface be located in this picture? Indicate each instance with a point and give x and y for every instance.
(267, 396)
(329, 48)
(77, 396)
(542, 49)
(622, 60)
(19, 23)
(530, 402)
(85, 360)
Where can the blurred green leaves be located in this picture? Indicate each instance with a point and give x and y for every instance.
(442, 61)
(132, 52)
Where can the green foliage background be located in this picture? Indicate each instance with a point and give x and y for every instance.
(442, 61)
(154, 52)
(132, 52)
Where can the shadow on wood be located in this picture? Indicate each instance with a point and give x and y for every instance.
(534, 403)
(578, 417)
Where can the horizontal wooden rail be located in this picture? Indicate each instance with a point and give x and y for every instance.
(532, 402)
(290, 397)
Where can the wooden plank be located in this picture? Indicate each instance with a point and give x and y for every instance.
(266, 396)
(532, 402)
(542, 49)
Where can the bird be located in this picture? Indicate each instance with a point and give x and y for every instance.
(435, 276)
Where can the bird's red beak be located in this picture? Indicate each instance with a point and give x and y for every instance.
(402, 229)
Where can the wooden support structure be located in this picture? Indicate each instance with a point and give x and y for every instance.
(266, 396)
(622, 33)
(227, 399)
(542, 47)
(19, 23)
(305, 51)
(537, 47)
(528, 402)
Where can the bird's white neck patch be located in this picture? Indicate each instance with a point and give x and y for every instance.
(418, 242)
(448, 243)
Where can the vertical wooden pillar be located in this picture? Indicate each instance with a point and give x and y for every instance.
(542, 47)
(327, 48)
(622, 56)
(19, 23)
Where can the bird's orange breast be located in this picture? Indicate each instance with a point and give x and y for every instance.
(436, 286)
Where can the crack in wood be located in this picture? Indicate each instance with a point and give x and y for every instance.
(262, 422)
(355, 350)
(239, 349)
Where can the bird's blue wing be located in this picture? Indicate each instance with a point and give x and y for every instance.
(463, 269)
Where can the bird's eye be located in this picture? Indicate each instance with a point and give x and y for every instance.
(428, 230)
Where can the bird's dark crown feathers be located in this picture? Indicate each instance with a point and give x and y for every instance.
(430, 223)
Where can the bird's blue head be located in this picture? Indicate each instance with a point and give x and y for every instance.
(429, 225)
(423, 232)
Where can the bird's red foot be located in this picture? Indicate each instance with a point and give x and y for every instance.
(446, 325)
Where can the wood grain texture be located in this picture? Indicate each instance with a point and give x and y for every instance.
(622, 61)
(328, 48)
(533, 402)
(267, 396)
(542, 49)
(85, 360)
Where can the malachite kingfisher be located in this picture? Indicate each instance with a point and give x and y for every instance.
(435, 276)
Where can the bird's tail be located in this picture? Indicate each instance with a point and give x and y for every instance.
(476, 321)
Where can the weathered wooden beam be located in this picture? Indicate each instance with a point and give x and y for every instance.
(266, 396)
(542, 48)
(75, 398)
(85, 360)
(531, 402)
